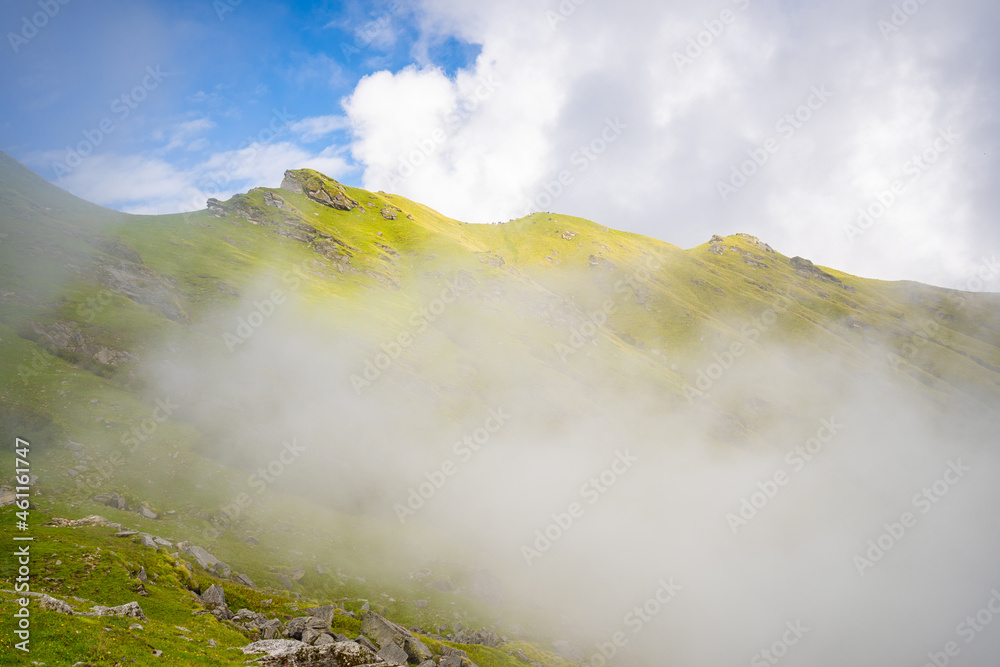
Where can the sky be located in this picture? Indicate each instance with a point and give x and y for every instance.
(861, 135)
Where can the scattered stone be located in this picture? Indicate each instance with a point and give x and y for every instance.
(147, 541)
(273, 647)
(141, 576)
(92, 520)
(135, 626)
(245, 580)
(297, 573)
(388, 213)
(325, 612)
(52, 604)
(128, 610)
(286, 582)
(74, 446)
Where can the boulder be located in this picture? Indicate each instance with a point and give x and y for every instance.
(245, 580)
(148, 541)
(202, 557)
(296, 627)
(385, 632)
(214, 596)
(393, 654)
(325, 612)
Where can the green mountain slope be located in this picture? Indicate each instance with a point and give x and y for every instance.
(182, 349)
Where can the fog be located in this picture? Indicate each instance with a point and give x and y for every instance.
(856, 525)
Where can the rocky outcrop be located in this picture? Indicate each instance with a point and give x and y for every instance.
(122, 270)
(321, 189)
(68, 341)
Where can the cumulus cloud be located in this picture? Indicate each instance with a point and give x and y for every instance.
(701, 91)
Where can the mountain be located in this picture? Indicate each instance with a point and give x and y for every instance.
(350, 398)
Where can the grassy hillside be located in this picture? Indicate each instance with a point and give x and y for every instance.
(105, 318)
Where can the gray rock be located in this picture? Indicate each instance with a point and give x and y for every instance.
(325, 612)
(567, 650)
(222, 570)
(385, 632)
(309, 635)
(483, 637)
(141, 576)
(214, 596)
(338, 654)
(74, 446)
(393, 654)
(52, 604)
(367, 643)
(202, 557)
(297, 626)
(273, 647)
(148, 541)
(245, 580)
(286, 582)
(324, 639)
(128, 610)
(162, 542)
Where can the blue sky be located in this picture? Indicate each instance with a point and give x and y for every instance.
(862, 135)
(210, 74)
